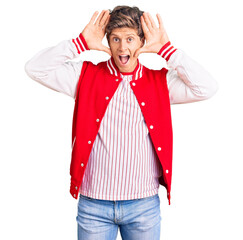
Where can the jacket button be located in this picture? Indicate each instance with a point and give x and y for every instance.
(159, 148)
(143, 103)
(107, 98)
(134, 84)
(117, 80)
(167, 171)
(74, 195)
(97, 120)
(82, 164)
(151, 126)
(89, 142)
(76, 188)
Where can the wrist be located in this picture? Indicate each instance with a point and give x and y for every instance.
(166, 51)
(80, 43)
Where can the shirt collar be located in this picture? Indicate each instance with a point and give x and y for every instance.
(113, 69)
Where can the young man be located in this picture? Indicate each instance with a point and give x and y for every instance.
(122, 131)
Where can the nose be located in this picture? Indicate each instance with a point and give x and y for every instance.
(123, 45)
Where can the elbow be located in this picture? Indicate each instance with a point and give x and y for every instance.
(205, 92)
(211, 89)
(28, 70)
(32, 71)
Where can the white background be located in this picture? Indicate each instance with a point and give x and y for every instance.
(35, 127)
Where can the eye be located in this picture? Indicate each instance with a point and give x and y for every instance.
(115, 39)
(130, 39)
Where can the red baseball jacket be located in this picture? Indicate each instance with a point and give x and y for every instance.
(96, 86)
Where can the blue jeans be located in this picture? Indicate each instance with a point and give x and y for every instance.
(138, 219)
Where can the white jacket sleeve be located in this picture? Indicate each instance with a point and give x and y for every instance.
(50, 67)
(187, 80)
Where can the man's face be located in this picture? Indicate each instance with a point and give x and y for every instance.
(123, 43)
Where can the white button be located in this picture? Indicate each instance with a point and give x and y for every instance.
(117, 80)
(89, 142)
(76, 188)
(107, 98)
(151, 126)
(82, 164)
(167, 171)
(133, 83)
(74, 195)
(143, 103)
(159, 148)
(97, 120)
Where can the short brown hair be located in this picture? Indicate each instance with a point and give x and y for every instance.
(125, 16)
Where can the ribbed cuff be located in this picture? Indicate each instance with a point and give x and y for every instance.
(166, 51)
(80, 43)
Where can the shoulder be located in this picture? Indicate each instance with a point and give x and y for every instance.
(95, 65)
(93, 68)
(154, 72)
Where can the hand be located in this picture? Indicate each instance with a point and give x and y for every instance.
(155, 36)
(94, 32)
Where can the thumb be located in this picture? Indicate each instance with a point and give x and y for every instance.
(139, 51)
(106, 49)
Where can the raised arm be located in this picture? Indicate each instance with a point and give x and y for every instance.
(50, 66)
(187, 80)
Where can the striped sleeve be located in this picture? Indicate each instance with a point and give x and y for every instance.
(166, 51)
(80, 44)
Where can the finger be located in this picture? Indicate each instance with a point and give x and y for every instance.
(160, 21)
(107, 20)
(144, 26)
(153, 24)
(147, 21)
(97, 23)
(104, 18)
(93, 17)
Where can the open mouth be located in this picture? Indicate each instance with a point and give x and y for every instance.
(124, 59)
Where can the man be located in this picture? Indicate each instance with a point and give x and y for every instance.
(122, 131)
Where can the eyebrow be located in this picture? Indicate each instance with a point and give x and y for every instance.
(130, 34)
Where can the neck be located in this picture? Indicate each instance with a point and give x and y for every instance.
(130, 71)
